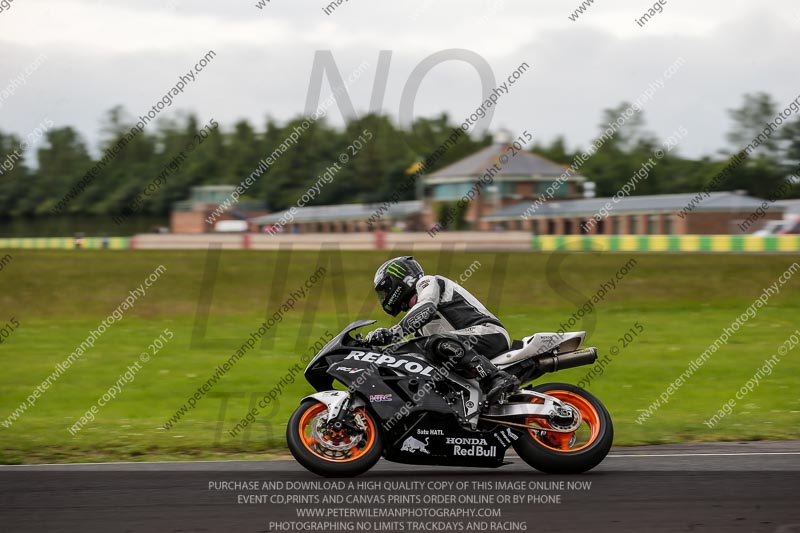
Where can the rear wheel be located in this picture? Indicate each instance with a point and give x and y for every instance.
(332, 450)
(573, 452)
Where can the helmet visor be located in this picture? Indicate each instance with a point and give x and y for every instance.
(384, 288)
(388, 292)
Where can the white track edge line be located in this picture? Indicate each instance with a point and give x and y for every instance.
(698, 454)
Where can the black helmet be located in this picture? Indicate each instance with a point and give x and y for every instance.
(395, 283)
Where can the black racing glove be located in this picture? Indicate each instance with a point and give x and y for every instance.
(379, 337)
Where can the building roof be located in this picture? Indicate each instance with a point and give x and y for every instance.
(330, 213)
(206, 196)
(215, 188)
(523, 165)
(656, 203)
(792, 206)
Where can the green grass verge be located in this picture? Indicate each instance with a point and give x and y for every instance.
(682, 301)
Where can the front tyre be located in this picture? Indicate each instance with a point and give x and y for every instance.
(568, 453)
(347, 451)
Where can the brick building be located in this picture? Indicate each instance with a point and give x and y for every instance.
(344, 218)
(503, 185)
(522, 176)
(632, 215)
(190, 216)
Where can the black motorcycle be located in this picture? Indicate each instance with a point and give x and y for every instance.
(399, 406)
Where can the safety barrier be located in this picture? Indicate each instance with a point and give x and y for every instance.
(668, 243)
(66, 243)
(450, 240)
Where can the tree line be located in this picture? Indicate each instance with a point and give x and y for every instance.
(31, 190)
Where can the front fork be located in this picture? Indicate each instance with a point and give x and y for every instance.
(339, 403)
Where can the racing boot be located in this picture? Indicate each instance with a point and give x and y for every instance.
(494, 381)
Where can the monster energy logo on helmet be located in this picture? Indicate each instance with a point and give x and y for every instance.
(396, 269)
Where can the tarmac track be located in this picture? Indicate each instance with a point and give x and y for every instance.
(719, 487)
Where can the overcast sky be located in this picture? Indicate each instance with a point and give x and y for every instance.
(100, 53)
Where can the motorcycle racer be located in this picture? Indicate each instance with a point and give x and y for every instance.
(451, 325)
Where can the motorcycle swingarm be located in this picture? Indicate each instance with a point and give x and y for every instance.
(550, 407)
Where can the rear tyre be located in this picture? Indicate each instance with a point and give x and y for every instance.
(568, 453)
(342, 453)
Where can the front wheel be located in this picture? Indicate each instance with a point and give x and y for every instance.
(567, 453)
(348, 450)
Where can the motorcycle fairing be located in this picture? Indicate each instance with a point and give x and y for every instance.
(540, 343)
(315, 372)
(437, 439)
(392, 390)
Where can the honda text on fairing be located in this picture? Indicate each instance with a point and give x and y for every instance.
(400, 407)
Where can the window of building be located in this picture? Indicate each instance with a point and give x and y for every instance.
(669, 225)
(504, 188)
(616, 225)
(652, 225)
(567, 226)
(456, 191)
(559, 191)
(551, 226)
(633, 224)
(450, 191)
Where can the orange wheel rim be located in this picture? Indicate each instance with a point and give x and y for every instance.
(561, 442)
(311, 444)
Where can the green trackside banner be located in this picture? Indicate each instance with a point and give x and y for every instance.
(668, 243)
(67, 243)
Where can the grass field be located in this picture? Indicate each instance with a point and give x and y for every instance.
(682, 303)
